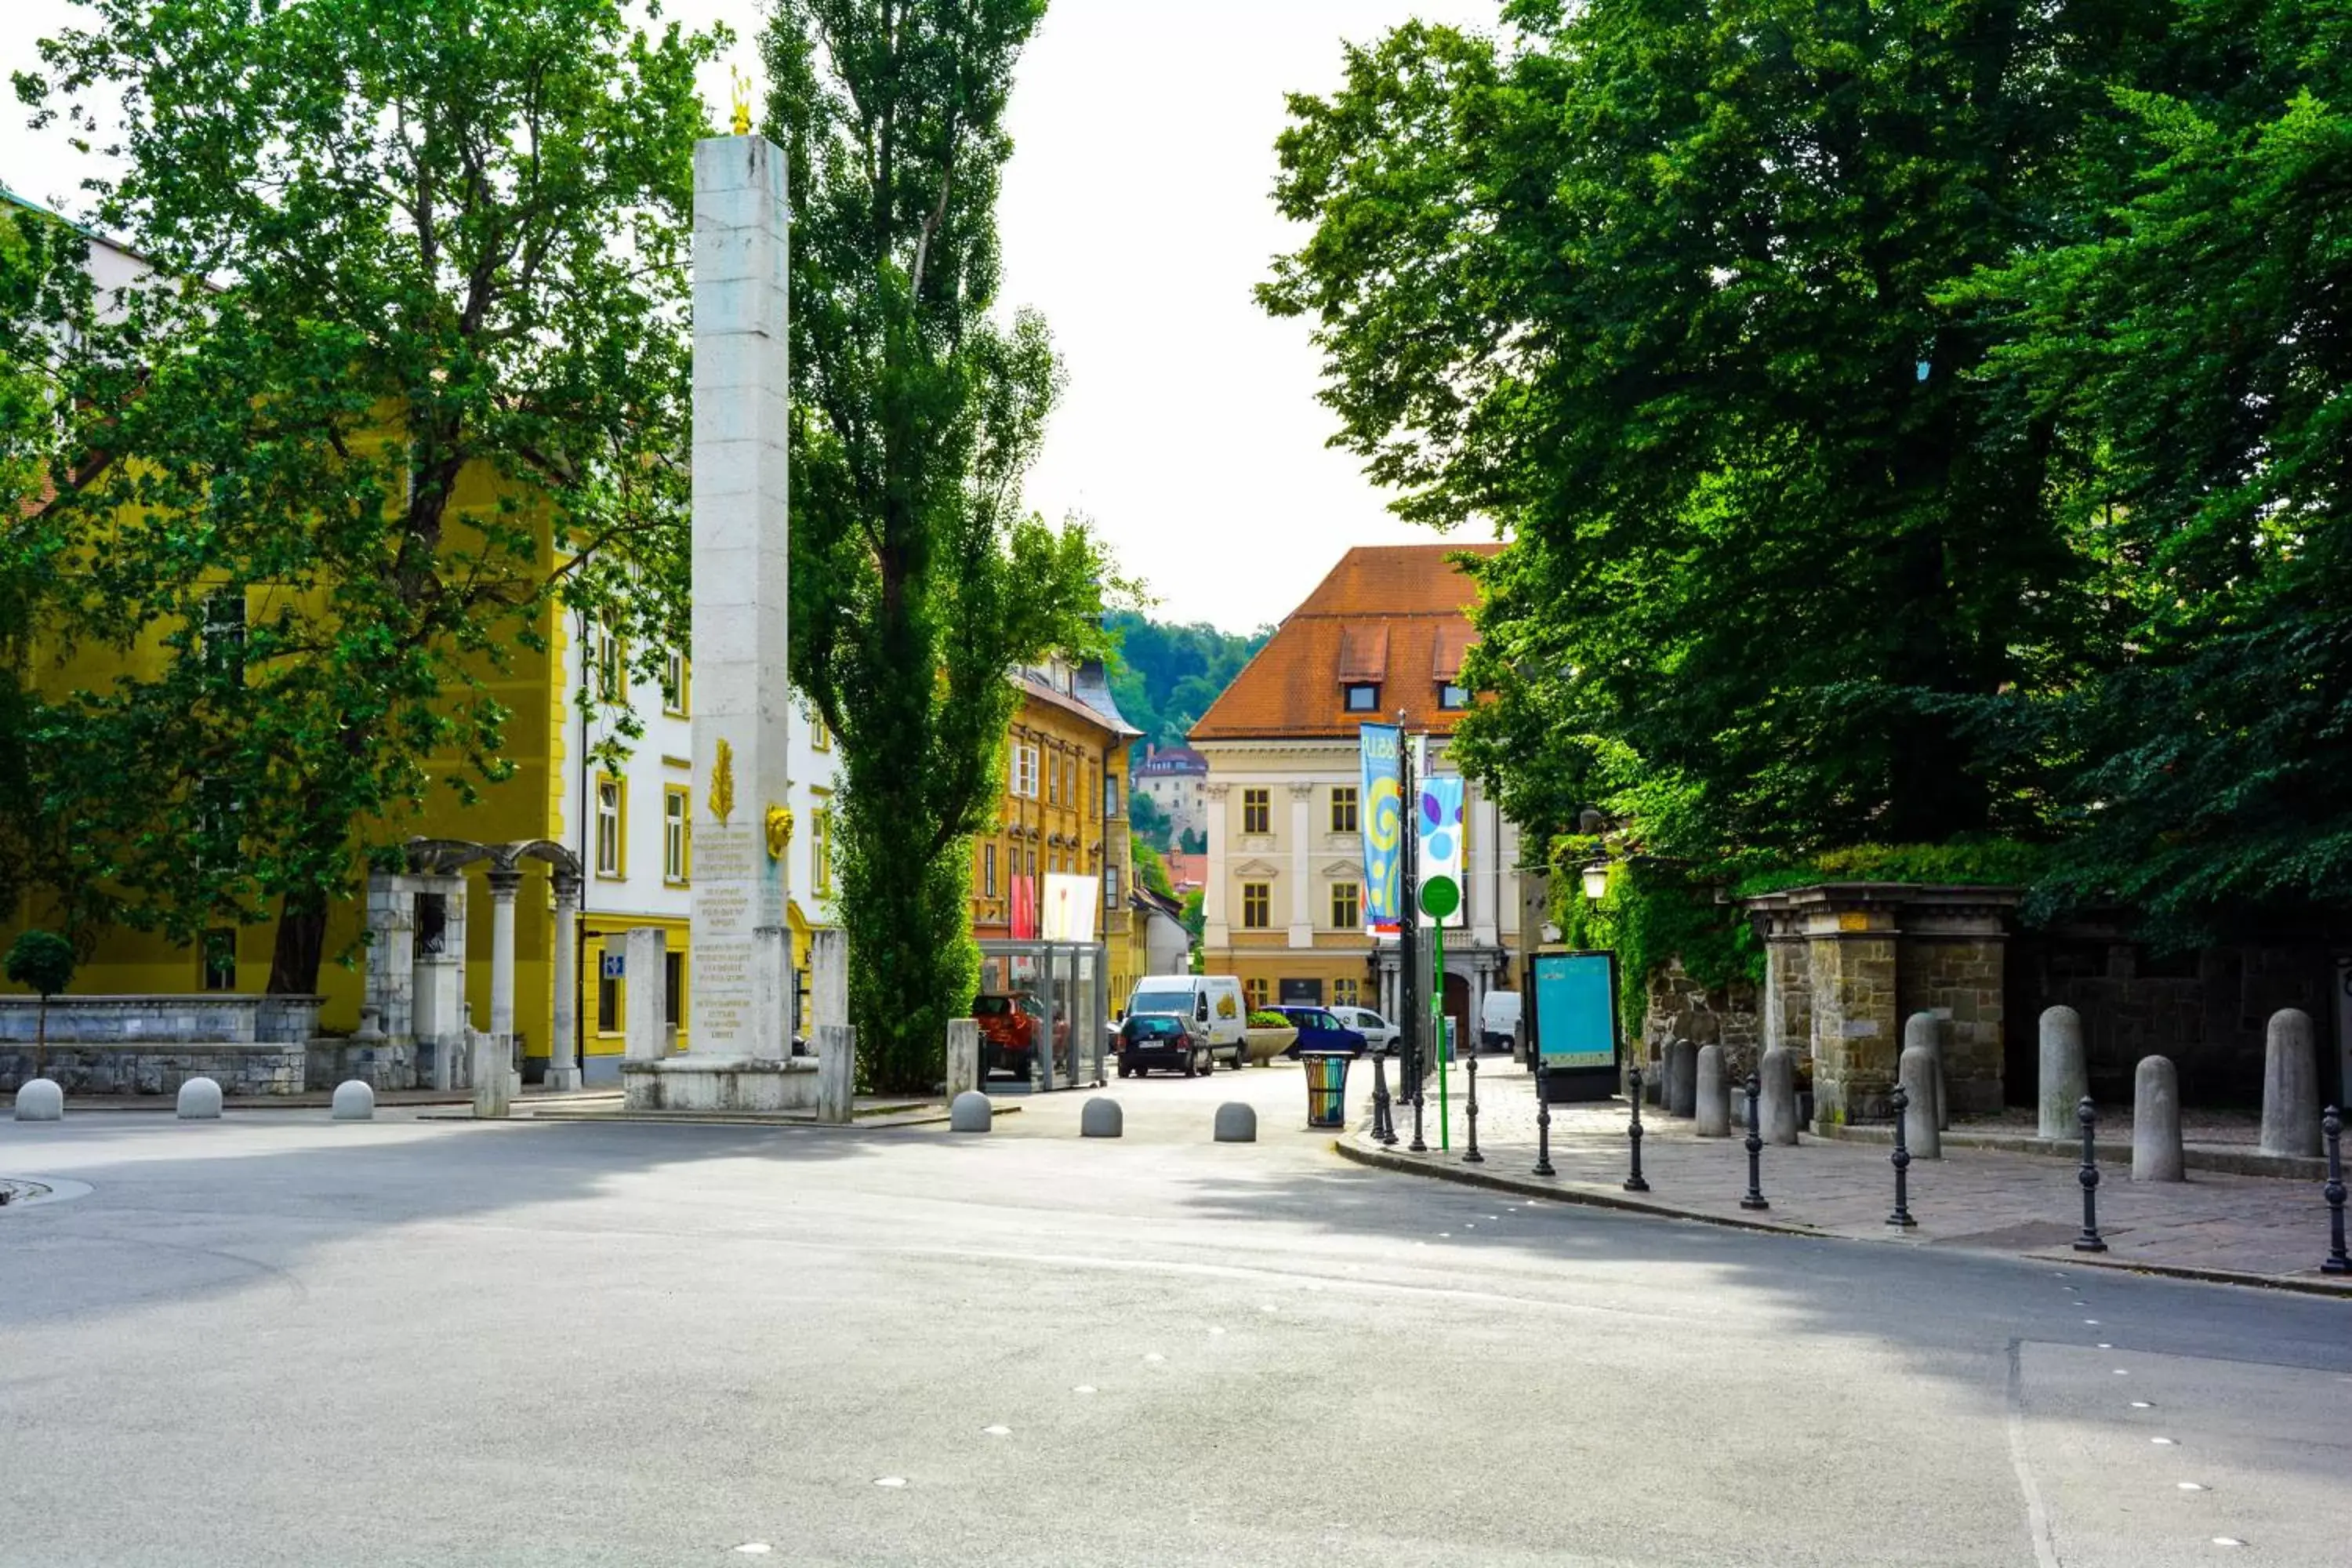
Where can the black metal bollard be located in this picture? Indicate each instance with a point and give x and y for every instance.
(1902, 1161)
(1471, 1156)
(2088, 1115)
(2331, 1127)
(1543, 1121)
(1383, 1114)
(1635, 1184)
(1417, 1146)
(1754, 1197)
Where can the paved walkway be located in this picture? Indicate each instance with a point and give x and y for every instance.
(2247, 1229)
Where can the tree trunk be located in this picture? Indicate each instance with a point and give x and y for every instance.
(301, 943)
(41, 1038)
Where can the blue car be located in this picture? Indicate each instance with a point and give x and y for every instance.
(1320, 1030)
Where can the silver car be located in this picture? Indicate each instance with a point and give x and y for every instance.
(1379, 1035)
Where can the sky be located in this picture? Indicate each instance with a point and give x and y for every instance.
(1136, 216)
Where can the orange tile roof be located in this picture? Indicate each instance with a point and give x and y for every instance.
(1398, 608)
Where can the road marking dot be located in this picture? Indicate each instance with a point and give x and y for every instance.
(1083, 1388)
(2227, 1541)
(1153, 1355)
(2191, 1486)
(2142, 1404)
(2163, 1442)
(755, 1549)
(1471, 1225)
(998, 1431)
(1215, 1330)
(2104, 1346)
(1268, 1307)
(890, 1480)
(2121, 1372)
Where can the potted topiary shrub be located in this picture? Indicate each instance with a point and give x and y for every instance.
(1270, 1035)
(42, 961)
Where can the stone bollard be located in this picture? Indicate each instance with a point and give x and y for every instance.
(1101, 1119)
(2290, 1085)
(354, 1102)
(963, 1056)
(1917, 1073)
(836, 1074)
(2156, 1123)
(1236, 1124)
(1924, 1030)
(970, 1113)
(200, 1100)
(1682, 1078)
(40, 1101)
(1776, 1075)
(2065, 1081)
(1713, 1094)
(493, 1079)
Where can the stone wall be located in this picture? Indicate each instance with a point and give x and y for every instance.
(1680, 1009)
(151, 1044)
(120, 1068)
(1856, 1033)
(1959, 978)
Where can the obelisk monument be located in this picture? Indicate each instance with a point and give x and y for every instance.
(741, 956)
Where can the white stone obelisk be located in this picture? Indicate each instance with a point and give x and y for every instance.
(739, 955)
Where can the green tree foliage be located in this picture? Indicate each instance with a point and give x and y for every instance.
(42, 961)
(1165, 675)
(435, 381)
(1148, 823)
(1151, 871)
(1917, 423)
(917, 579)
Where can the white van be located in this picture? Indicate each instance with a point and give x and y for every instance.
(1499, 1023)
(1213, 1002)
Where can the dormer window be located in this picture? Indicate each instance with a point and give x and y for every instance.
(1363, 696)
(1452, 697)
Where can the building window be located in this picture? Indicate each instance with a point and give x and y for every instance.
(674, 683)
(608, 994)
(673, 987)
(224, 636)
(1363, 697)
(1054, 783)
(1257, 811)
(678, 828)
(216, 960)
(1024, 770)
(1452, 697)
(820, 738)
(821, 848)
(1345, 906)
(1111, 886)
(1254, 989)
(611, 825)
(1258, 905)
(1343, 809)
(987, 870)
(611, 677)
(1344, 994)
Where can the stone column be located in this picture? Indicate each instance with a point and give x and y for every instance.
(829, 975)
(1853, 939)
(1216, 930)
(563, 1049)
(504, 883)
(645, 963)
(2290, 1085)
(742, 418)
(1302, 864)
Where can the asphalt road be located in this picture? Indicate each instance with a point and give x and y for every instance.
(279, 1339)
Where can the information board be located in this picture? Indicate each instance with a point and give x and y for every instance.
(1576, 1009)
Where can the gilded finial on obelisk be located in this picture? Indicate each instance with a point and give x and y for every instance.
(722, 782)
(742, 100)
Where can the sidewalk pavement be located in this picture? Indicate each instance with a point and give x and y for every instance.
(2236, 1228)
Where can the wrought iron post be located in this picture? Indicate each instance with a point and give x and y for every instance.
(1635, 1184)
(1543, 1120)
(1384, 1126)
(2088, 1115)
(1754, 1197)
(2331, 1127)
(1902, 1161)
(1417, 1146)
(1471, 1156)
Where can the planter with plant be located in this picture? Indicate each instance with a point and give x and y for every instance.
(1270, 1035)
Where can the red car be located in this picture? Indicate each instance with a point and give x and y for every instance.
(1008, 1032)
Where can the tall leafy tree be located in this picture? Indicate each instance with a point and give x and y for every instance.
(918, 579)
(1655, 286)
(411, 368)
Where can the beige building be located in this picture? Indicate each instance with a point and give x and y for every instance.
(1283, 898)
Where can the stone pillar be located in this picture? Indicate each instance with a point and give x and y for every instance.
(836, 1073)
(1788, 986)
(2064, 1078)
(963, 1056)
(1682, 1078)
(1954, 961)
(391, 988)
(1921, 1033)
(829, 976)
(1918, 1075)
(2290, 1085)
(493, 1074)
(504, 882)
(645, 961)
(2157, 1154)
(1776, 1097)
(1852, 942)
(564, 1049)
(1714, 1095)
(1302, 864)
(1216, 928)
(742, 420)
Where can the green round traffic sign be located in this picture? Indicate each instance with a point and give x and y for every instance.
(1439, 897)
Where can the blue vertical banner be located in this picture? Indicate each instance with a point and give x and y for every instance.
(1438, 893)
(1381, 819)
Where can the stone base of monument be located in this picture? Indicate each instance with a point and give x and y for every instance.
(682, 1083)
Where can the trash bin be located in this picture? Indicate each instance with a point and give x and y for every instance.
(1327, 1087)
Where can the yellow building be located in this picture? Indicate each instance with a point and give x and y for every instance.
(1064, 814)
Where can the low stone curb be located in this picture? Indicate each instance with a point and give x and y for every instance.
(2199, 1157)
(1351, 1147)
(930, 1116)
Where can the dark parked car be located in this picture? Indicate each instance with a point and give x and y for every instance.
(1320, 1030)
(1162, 1040)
